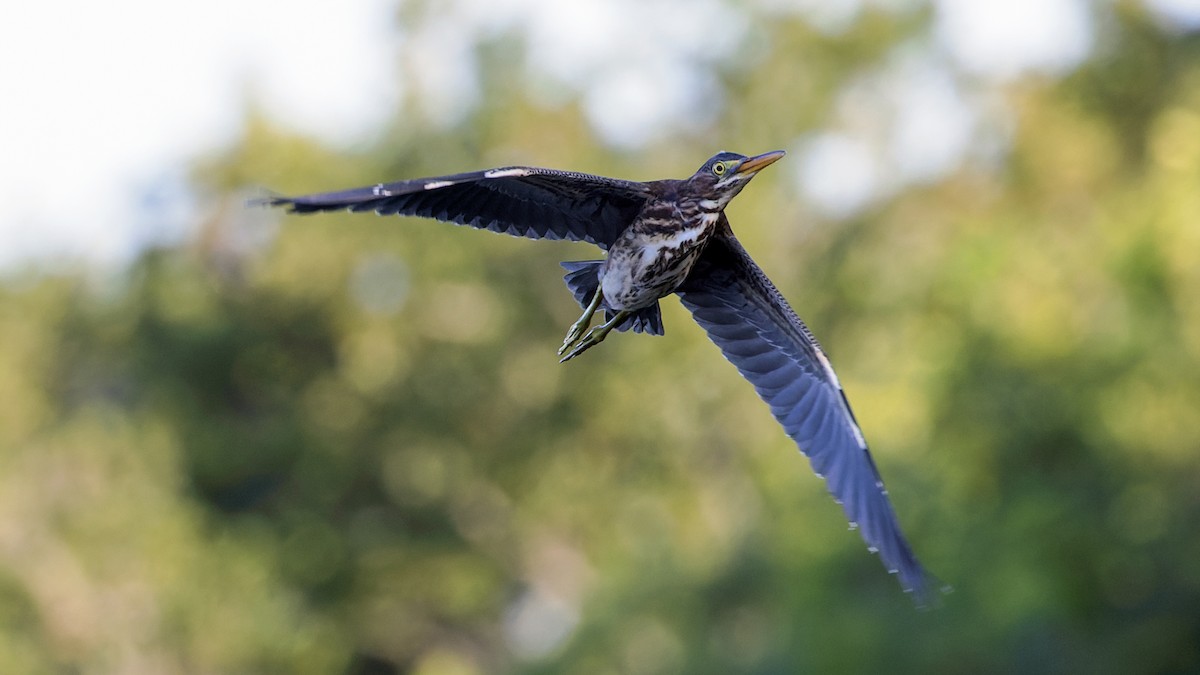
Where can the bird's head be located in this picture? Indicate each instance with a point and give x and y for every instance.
(723, 177)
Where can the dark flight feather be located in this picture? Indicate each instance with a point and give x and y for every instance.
(518, 200)
(756, 329)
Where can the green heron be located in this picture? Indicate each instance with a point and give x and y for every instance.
(664, 237)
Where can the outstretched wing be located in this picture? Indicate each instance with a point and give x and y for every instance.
(744, 314)
(518, 200)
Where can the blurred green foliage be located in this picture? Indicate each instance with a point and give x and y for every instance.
(347, 446)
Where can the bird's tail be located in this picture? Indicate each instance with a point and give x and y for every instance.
(583, 278)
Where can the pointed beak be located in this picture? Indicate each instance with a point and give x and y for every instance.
(758, 162)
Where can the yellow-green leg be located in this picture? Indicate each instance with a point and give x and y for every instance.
(595, 336)
(578, 328)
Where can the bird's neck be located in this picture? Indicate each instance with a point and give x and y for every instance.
(678, 213)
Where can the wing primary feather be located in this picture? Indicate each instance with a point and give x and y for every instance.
(755, 328)
(517, 200)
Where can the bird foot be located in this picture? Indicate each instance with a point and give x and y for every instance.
(593, 338)
(575, 334)
(581, 325)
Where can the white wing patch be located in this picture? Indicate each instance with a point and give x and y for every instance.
(828, 367)
(506, 173)
(380, 191)
(435, 184)
(858, 434)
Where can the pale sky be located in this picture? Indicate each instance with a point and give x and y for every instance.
(106, 103)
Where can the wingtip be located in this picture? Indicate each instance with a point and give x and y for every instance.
(927, 590)
(268, 199)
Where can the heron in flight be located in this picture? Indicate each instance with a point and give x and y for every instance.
(663, 237)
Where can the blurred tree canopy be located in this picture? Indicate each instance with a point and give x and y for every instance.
(344, 443)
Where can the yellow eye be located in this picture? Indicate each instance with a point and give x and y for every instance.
(719, 168)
